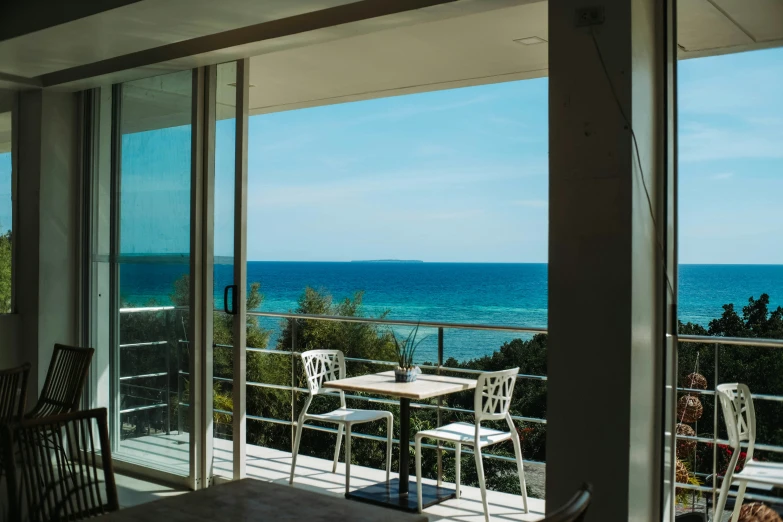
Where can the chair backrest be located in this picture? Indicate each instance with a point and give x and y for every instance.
(739, 414)
(13, 393)
(55, 475)
(574, 510)
(65, 380)
(494, 391)
(322, 366)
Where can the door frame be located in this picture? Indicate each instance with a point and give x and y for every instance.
(104, 169)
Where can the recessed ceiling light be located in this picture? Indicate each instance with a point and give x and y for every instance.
(235, 84)
(531, 40)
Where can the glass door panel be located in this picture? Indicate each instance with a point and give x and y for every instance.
(150, 371)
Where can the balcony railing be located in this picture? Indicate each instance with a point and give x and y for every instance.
(709, 480)
(711, 484)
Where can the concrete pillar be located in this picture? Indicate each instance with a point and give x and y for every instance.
(606, 249)
(47, 239)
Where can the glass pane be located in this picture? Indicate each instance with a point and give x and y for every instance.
(6, 213)
(154, 272)
(400, 209)
(225, 140)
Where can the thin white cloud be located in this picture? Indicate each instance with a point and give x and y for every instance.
(704, 142)
(722, 175)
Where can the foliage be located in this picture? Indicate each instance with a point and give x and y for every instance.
(356, 340)
(5, 272)
(170, 327)
(406, 349)
(760, 368)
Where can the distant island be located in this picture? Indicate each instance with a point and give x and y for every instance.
(387, 261)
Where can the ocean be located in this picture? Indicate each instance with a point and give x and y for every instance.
(481, 293)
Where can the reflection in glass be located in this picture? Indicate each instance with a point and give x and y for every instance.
(6, 213)
(154, 271)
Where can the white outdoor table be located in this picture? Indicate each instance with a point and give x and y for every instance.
(401, 494)
(253, 500)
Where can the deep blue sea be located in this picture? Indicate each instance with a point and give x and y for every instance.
(483, 293)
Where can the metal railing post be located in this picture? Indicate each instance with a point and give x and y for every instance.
(293, 377)
(440, 405)
(179, 394)
(168, 388)
(715, 433)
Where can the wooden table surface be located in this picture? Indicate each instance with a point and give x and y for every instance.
(424, 387)
(256, 501)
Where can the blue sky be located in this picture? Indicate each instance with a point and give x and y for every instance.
(731, 158)
(5, 192)
(461, 175)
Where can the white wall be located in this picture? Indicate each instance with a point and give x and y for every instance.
(47, 234)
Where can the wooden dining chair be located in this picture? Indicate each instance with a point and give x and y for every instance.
(62, 390)
(575, 509)
(61, 481)
(13, 393)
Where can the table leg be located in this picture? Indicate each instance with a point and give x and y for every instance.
(401, 493)
(405, 437)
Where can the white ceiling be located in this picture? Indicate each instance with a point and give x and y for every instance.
(139, 26)
(719, 26)
(474, 49)
(455, 52)
(466, 42)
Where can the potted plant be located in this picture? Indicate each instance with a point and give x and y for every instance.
(406, 349)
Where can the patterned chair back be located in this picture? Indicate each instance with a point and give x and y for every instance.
(322, 366)
(494, 391)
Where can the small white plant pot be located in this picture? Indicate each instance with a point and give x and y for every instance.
(406, 374)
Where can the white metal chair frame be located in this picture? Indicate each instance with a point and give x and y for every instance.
(740, 417)
(491, 402)
(327, 365)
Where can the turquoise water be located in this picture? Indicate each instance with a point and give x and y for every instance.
(483, 293)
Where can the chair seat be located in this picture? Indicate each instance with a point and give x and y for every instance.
(761, 472)
(464, 433)
(345, 415)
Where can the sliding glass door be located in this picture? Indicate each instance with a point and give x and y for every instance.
(171, 367)
(151, 272)
(228, 282)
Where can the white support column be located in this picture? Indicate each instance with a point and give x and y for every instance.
(607, 244)
(200, 394)
(207, 304)
(240, 269)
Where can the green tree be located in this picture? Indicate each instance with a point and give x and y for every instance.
(223, 353)
(356, 340)
(760, 368)
(5, 273)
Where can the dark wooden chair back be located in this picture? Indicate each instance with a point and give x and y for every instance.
(574, 510)
(54, 467)
(13, 393)
(62, 390)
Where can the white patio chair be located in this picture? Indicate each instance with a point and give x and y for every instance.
(740, 417)
(327, 365)
(490, 402)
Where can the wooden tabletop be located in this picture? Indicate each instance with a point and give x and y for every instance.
(424, 387)
(251, 500)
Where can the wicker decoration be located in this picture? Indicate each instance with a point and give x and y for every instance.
(685, 447)
(681, 472)
(758, 512)
(694, 381)
(689, 409)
